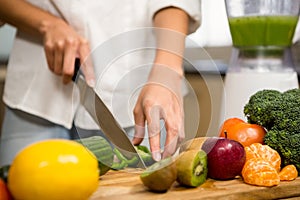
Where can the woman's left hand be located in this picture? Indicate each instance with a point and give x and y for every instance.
(160, 99)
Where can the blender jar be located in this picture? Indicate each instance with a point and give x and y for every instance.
(262, 33)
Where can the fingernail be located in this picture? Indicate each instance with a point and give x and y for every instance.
(91, 83)
(156, 156)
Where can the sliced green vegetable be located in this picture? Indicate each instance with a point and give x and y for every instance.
(144, 153)
(119, 165)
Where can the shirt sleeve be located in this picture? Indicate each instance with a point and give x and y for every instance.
(191, 7)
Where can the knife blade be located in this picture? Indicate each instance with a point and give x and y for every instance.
(104, 118)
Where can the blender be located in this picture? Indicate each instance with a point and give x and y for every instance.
(262, 33)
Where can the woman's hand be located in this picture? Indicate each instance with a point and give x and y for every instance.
(62, 46)
(160, 99)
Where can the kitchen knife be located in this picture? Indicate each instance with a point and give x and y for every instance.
(104, 118)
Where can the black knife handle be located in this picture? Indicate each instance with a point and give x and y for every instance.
(76, 69)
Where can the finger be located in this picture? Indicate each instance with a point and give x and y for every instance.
(69, 61)
(49, 52)
(87, 65)
(174, 128)
(181, 130)
(139, 127)
(171, 139)
(58, 58)
(153, 123)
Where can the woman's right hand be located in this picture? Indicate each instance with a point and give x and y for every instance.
(61, 42)
(62, 46)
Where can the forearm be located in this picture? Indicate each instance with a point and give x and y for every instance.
(27, 17)
(172, 24)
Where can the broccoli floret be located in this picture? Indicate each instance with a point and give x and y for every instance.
(292, 93)
(279, 113)
(287, 114)
(286, 144)
(260, 105)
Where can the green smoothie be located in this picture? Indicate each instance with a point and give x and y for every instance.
(262, 30)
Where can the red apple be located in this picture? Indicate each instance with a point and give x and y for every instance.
(225, 157)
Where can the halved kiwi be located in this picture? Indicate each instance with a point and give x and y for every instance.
(192, 168)
(160, 176)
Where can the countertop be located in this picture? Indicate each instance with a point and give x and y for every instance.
(127, 185)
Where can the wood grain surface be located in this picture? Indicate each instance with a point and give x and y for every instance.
(127, 185)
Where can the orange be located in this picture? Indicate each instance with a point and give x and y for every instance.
(258, 171)
(257, 150)
(288, 173)
(245, 133)
(54, 169)
(228, 124)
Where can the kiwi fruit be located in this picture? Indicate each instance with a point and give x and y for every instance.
(192, 168)
(160, 176)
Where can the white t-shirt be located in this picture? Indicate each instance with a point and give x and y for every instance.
(122, 46)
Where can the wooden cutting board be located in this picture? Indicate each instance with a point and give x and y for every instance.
(127, 185)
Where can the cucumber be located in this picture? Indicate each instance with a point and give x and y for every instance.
(101, 148)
